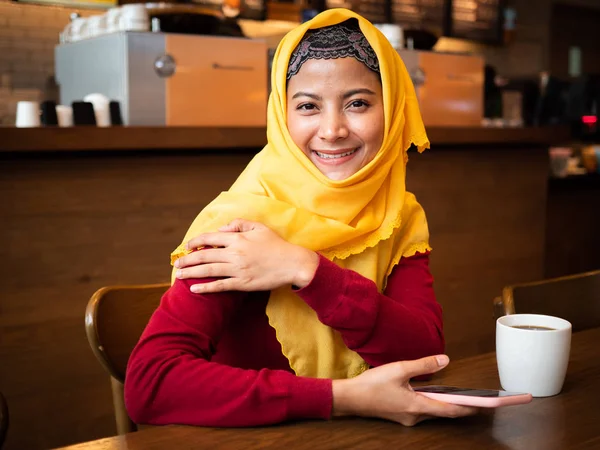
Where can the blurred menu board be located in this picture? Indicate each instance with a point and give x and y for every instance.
(246, 9)
(99, 4)
(373, 10)
(420, 14)
(479, 20)
(253, 9)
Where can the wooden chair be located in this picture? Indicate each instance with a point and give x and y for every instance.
(575, 298)
(115, 318)
(3, 419)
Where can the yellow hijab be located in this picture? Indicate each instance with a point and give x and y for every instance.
(365, 223)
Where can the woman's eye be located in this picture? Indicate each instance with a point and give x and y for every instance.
(307, 107)
(358, 104)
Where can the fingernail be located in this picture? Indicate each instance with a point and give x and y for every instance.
(177, 263)
(179, 273)
(195, 288)
(442, 360)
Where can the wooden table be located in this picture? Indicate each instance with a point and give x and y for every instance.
(569, 420)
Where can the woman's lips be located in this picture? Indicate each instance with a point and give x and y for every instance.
(335, 157)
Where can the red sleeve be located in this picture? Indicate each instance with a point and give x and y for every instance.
(170, 379)
(403, 323)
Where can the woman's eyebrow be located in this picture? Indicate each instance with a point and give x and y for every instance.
(346, 94)
(306, 94)
(352, 92)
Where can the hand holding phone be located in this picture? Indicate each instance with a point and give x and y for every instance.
(483, 398)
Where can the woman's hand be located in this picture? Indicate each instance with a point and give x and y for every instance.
(384, 392)
(246, 256)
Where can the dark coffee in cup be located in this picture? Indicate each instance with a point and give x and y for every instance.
(533, 327)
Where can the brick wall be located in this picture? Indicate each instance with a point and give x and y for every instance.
(28, 34)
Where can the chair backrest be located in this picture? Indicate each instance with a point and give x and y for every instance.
(3, 419)
(115, 318)
(575, 298)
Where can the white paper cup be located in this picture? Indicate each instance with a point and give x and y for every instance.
(393, 33)
(65, 115)
(532, 361)
(28, 114)
(101, 108)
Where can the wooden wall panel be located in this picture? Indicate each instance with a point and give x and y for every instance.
(486, 213)
(573, 226)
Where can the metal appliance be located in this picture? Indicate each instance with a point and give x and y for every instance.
(449, 86)
(169, 79)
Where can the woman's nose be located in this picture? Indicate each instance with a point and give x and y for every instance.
(332, 127)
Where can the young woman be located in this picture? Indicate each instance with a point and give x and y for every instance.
(310, 296)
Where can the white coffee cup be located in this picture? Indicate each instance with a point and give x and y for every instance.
(28, 114)
(77, 29)
(134, 17)
(113, 19)
(532, 360)
(96, 26)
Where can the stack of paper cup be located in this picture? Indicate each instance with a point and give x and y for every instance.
(28, 114)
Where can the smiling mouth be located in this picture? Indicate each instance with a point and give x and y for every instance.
(335, 155)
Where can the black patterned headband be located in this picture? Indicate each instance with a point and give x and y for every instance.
(336, 41)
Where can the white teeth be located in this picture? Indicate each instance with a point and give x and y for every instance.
(328, 156)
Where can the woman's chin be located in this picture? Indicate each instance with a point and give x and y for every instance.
(337, 174)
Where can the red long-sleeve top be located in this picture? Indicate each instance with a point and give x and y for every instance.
(214, 360)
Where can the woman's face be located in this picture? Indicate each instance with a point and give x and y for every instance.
(335, 114)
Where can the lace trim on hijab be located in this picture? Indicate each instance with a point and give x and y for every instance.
(332, 42)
